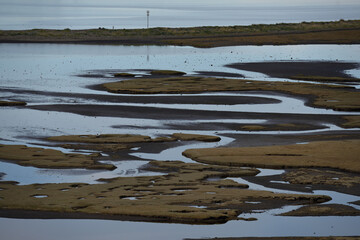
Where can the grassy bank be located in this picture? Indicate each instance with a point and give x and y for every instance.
(339, 32)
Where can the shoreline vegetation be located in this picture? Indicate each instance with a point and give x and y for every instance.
(11, 103)
(337, 32)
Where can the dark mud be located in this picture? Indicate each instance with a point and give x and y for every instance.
(219, 74)
(183, 99)
(176, 114)
(253, 140)
(289, 69)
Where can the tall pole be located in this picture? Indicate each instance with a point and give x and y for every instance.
(148, 14)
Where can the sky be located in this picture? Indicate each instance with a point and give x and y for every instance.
(81, 14)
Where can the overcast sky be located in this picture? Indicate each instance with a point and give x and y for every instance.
(84, 14)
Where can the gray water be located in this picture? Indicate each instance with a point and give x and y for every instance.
(110, 230)
(53, 67)
(29, 14)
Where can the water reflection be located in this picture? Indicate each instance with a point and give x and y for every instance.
(147, 54)
(53, 67)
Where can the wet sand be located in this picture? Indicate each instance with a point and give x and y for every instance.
(295, 68)
(172, 114)
(176, 99)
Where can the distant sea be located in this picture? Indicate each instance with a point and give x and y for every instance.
(118, 14)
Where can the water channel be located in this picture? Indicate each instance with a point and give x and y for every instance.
(34, 72)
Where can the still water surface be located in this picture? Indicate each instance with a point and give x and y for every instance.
(53, 67)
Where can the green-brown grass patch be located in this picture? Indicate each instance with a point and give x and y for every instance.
(342, 155)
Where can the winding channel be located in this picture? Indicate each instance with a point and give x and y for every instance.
(28, 126)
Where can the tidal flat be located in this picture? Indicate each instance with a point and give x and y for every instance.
(146, 137)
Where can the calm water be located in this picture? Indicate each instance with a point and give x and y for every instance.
(110, 230)
(28, 14)
(53, 67)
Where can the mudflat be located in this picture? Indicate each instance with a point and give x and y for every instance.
(199, 193)
(301, 70)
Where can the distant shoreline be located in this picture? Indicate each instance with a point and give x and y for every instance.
(338, 32)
